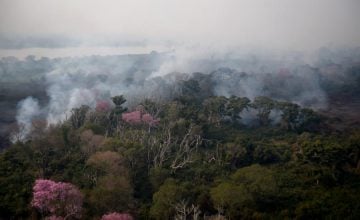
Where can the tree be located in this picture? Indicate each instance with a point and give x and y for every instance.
(149, 119)
(108, 163)
(290, 114)
(154, 108)
(164, 201)
(57, 199)
(214, 109)
(235, 106)
(235, 154)
(132, 117)
(263, 105)
(308, 120)
(115, 114)
(266, 154)
(190, 88)
(113, 193)
(230, 198)
(117, 216)
(91, 142)
(248, 187)
(78, 116)
(17, 174)
(118, 101)
(185, 210)
(186, 147)
(138, 117)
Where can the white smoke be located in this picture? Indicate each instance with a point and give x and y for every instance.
(28, 109)
(87, 80)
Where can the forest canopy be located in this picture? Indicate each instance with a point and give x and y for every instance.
(195, 156)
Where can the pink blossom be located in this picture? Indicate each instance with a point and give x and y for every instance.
(139, 117)
(54, 217)
(102, 106)
(148, 119)
(117, 216)
(57, 198)
(132, 117)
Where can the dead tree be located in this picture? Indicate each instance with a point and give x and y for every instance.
(184, 152)
(160, 148)
(78, 116)
(183, 211)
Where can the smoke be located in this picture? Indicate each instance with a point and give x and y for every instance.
(250, 118)
(72, 82)
(276, 24)
(300, 85)
(90, 80)
(251, 73)
(28, 109)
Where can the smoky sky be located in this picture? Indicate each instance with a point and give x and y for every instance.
(283, 24)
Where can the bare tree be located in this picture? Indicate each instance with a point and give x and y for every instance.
(184, 154)
(184, 211)
(160, 148)
(78, 116)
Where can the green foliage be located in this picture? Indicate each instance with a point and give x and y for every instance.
(290, 114)
(230, 198)
(235, 106)
(118, 101)
(293, 170)
(258, 180)
(248, 187)
(263, 105)
(111, 194)
(214, 109)
(235, 154)
(157, 177)
(107, 163)
(325, 152)
(266, 154)
(165, 199)
(96, 128)
(17, 175)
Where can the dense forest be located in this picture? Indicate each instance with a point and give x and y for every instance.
(195, 156)
(254, 137)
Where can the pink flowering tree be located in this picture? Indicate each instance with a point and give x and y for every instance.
(57, 199)
(102, 106)
(117, 216)
(132, 117)
(149, 120)
(139, 117)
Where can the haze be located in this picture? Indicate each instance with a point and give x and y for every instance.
(280, 24)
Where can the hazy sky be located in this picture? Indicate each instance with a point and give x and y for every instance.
(289, 24)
